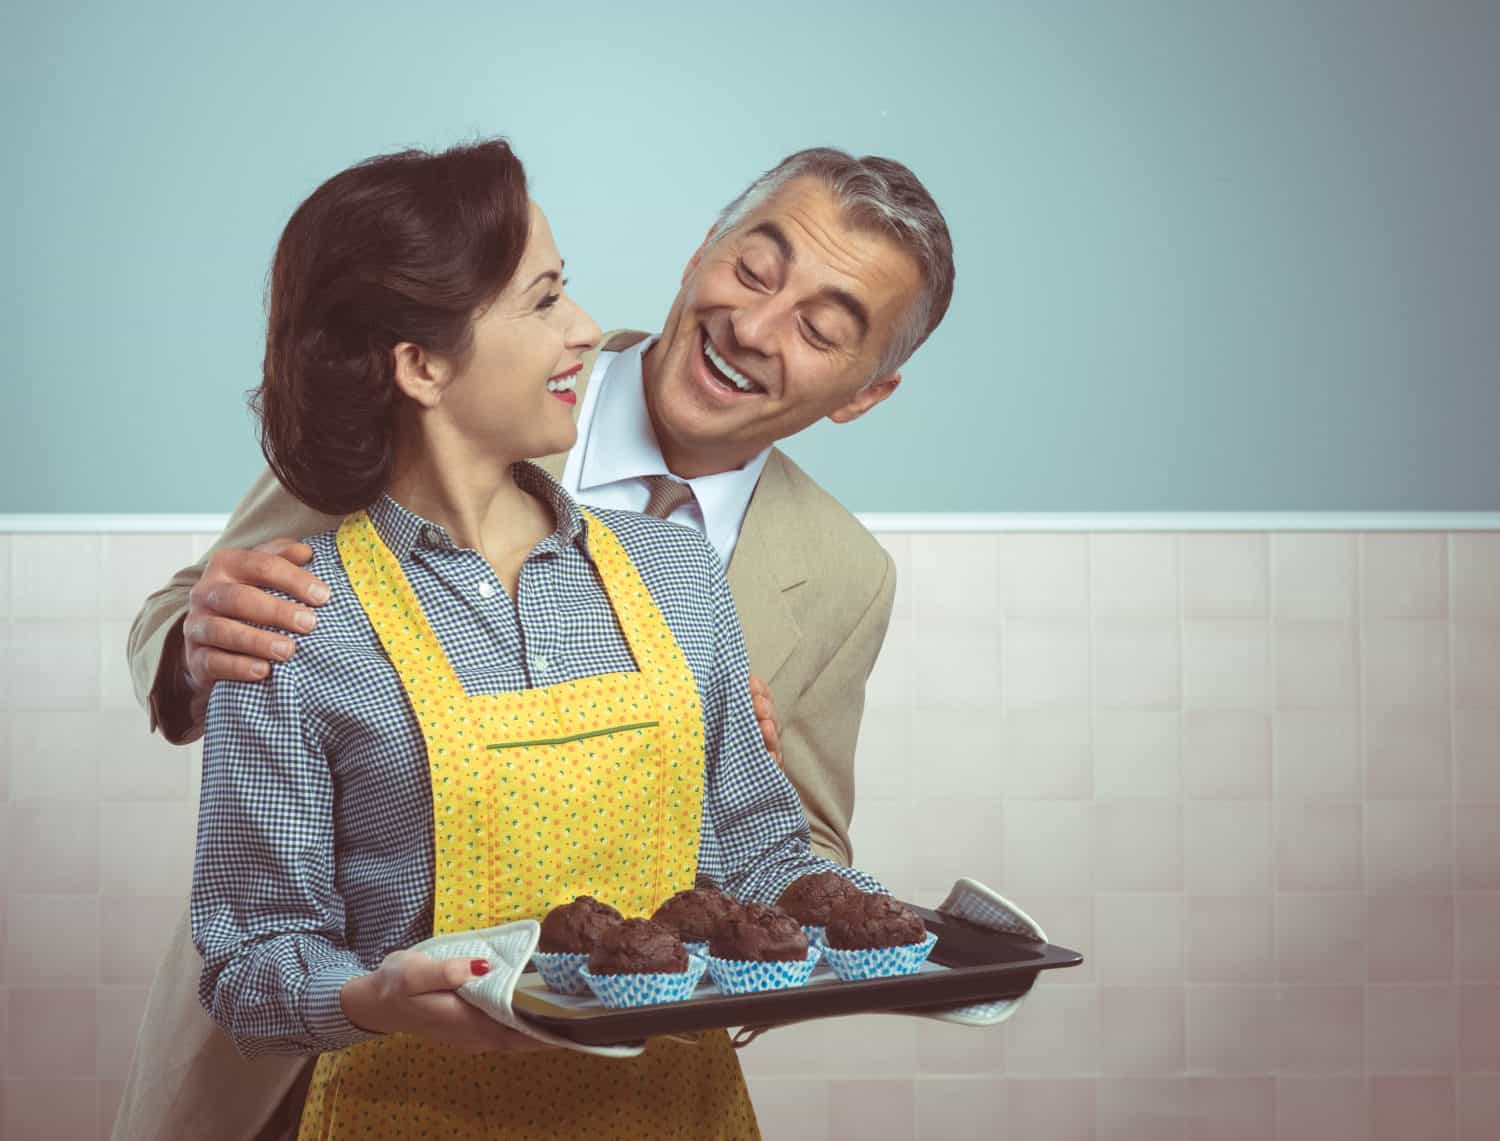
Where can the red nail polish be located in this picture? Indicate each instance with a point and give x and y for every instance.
(479, 966)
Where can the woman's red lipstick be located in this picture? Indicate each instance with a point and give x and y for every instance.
(568, 397)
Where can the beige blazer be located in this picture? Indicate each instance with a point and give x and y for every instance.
(814, 592)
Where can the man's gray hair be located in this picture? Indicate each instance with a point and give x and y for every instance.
(881, 195)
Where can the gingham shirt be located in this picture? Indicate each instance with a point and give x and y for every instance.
(315, 840)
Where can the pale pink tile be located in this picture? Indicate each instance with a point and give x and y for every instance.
(1230, 939)
(111, 1094)
(1136, 665)
(1138, 938)
(138, 765)
(1315, 755)
(1137, 754)
(116, 691)
(955, 667)
(54, 756)
(883, 757)
(1318, 847)
(878, 1109)
(954, 579)
(1321, 938)
(1476, 664)
(1054, 1032)
(944, 1048)
(146, 848)
(133, 933)
(53, 846)
(54, 576)
(1478, 1028)
(883, 836)
(1134, 575)
(1410, 938)
(52, 940)
(1228, 846)
(1476, 753)
(1044, 576)
(962, 753)
(1478, 1107)
(1312, 576)
(1478, 846)
(890, 682)
(1476, 575)
(135, 566)
(1226, 664)
(1045, 664)
(1226, 754)
(1404, 575)
(1404, 1108)
(5, 759)
(1233, 1109)
(1410, 1028)
(1142, 1109)
(898, 546)
(790, 1109)
(1321, 1109)
(1141, 1030)
(1224, 575)
(958, 1109)
(1048, 754)
(1315, 665)
(45, 1109)
(798, 1049)
(1407, 755)
(53, 1032)
(53, 665)
(1138, 845)
(959, 836)
(873, 1044)
(1477, 936)
(203, 544)
(4, 1031)
(1322, 1030)
(4, 577)
(119, 1012)
(1049, 1107)
(1408, 846)
(1048, 848)
(1232, 1030)
(1405, 663)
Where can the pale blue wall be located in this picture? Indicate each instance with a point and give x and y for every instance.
(1211, 256)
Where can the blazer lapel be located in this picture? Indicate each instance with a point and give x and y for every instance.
(615, 341)
(768, 561)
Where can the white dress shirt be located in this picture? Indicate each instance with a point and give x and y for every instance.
(617, 451)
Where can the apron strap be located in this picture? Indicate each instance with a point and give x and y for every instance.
(651, 642)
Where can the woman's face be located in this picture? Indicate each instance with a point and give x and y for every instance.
(514, 394)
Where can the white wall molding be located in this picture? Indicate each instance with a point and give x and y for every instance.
(916, 523)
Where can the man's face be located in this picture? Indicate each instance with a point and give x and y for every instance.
(780, 322)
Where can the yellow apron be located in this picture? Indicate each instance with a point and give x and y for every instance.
(592, 786)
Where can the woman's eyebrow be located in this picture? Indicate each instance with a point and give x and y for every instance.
(554, 274)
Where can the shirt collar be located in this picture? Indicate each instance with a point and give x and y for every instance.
(403, 530)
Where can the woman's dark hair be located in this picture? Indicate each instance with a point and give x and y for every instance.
(401, 247)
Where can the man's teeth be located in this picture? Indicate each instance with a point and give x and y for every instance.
(743, 383)
(566, 384)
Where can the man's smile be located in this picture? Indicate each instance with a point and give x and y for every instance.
(724, 374)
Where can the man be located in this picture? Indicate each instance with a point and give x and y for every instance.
(808, 294)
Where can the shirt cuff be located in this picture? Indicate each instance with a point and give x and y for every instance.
(324, 1015)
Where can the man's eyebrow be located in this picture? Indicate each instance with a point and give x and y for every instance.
(554, 274)
(841, 297)
(778, 236)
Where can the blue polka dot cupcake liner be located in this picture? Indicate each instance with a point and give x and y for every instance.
(697, 948)
(559, 970)
(741, 976)
(815, 932)
(618, 991)
(878, 962)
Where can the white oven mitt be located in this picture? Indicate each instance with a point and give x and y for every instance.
(984, 907)
(507, 949)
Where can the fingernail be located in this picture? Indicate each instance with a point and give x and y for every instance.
(319, 593)
(283, 648)
(305, 620)
(479, 966)
(260, 669)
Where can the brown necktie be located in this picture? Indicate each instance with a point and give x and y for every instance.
(667, 495)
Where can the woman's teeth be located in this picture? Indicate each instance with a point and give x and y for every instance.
(566, 384)
(739, 380)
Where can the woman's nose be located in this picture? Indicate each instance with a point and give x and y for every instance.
(583, 331)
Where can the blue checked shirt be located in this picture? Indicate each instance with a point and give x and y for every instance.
(315, 842)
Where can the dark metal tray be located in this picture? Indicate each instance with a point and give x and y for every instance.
(969, 964)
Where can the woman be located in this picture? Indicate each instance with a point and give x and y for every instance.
(508, 702)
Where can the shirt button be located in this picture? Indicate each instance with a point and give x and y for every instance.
(486, 590)
(540, 664)
(430, 535)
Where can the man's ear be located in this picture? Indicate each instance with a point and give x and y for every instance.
(866, 398)
(421, 375)
(698, 254)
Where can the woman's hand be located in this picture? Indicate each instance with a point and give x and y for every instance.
(413, 993)
(765, 713)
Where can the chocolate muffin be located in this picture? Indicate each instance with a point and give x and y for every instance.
(760, 934)
(874, 921)
(811, 899)
(638, 947)
(575, 927)
(695, 914)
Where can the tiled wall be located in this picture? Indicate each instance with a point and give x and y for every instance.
(1255, 778)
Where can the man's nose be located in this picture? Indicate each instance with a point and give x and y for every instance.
(754, 325)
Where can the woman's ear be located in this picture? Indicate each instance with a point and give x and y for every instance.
(421, 375)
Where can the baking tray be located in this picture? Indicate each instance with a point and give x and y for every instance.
(969, 964)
